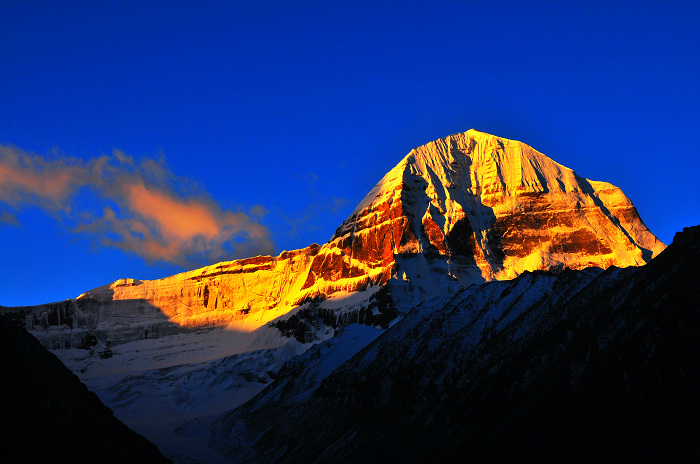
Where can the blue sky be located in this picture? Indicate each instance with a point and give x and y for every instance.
(272, 120)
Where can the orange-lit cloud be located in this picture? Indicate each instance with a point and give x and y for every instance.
(146, 209)
(26, 178)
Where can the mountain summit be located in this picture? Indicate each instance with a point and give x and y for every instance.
(477, 207)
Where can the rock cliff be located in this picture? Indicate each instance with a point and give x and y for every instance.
(243, 294)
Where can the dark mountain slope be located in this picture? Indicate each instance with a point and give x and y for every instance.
(582, 365)
(48, 415)
(624, 389)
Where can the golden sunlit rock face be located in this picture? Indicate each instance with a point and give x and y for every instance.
(464, 209)
(482, 208)
(244, 293)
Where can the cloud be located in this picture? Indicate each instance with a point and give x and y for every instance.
(26, 178)
(7, 218)
(145, 208)
(259, 211)
(309, 218)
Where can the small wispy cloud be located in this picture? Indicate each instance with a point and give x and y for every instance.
(145, 208)
(7, 218)
(31, 179)
(308, 219)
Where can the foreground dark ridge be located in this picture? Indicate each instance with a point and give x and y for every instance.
(48, 415)
(581, 366)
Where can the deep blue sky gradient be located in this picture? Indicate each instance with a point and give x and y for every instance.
(301, 107)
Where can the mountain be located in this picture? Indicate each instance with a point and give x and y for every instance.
(48, 414)
(467, 208)
(477, 207)
(465, 212)
(579, 366)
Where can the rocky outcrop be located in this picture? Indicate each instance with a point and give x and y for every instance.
(243, 294)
